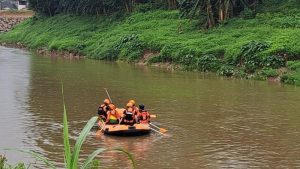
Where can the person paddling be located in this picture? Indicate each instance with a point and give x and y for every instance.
(103, 108)
(144, 115)
(135, 110)
(128, 115)
(112, 115)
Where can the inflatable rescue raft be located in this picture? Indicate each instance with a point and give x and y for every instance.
(124, 130)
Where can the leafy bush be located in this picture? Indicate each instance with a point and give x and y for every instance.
(289, 22)
(249, 56)
(130, 48)
(166, 54)
(274, 61)
(187, 58)
(208, 63)
(240, 73)
(110, 53)
(226, 70)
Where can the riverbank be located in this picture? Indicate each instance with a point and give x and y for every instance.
(264, 47)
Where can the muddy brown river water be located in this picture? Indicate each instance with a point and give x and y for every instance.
(212, 122)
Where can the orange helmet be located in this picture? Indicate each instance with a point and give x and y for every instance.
(112, 106)
(106, 101)
(129, 104)
(132, 101)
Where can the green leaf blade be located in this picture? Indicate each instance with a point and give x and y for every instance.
(91, 157)
(83, 134)
(67, 147)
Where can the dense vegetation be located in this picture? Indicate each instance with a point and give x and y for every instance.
(209, 12)
(263, 41)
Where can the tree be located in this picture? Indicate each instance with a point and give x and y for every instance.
(216, 11)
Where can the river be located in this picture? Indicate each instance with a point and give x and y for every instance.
(212, 122)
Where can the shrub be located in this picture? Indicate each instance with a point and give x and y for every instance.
(208, 63)
(109, 54)
(186, 56)
(129, 47)
(166, 53)
(249, 56)
(274, 61)
(226, 70)
(240, 73)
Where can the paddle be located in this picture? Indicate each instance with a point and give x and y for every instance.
(152, 115)
(160, 129)
(153, 129)
(108, 95)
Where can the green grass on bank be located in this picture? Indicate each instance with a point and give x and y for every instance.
(94, 37)
(180, 41)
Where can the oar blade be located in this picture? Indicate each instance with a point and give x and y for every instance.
(163, 130)
(153, 116)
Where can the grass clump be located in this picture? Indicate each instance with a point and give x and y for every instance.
(293, 65)
(4, 165)
(292, 78)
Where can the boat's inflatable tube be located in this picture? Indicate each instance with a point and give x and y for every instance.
(126, 130)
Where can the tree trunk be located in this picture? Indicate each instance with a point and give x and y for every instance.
(126, 6)
(221, 10)
(210, 15)
(226, 13)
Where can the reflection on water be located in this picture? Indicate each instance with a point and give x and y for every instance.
(212, 122)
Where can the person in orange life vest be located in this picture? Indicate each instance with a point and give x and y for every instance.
(103, 108)
(113, 116)
(144, 116)
(128, 115)
(135, 110)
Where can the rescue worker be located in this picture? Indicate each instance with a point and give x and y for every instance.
(133, 105)
(143, 116)
(135, 109)
(128, 115)
(103, 108)
(113, 116)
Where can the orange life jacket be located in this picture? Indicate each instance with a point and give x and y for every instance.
(144, 116)
(112, 116)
